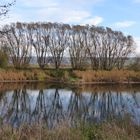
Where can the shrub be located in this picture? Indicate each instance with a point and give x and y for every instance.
(3, 59)
(56, 73)
(135, 65)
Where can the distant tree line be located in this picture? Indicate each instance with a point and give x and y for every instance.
(102, 47)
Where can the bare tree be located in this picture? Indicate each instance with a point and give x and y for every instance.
(4, 9)
(77, 47)
(18, 44)
(58, 42)
(126, 48)
(94, 46)
(40, 41)
(116, 48)
(108, 49)
(104, 47)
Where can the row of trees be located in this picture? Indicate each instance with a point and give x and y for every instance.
(102, 47)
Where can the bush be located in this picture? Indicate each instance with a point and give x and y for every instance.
(56, 73)
(3, 59)
(135, 65)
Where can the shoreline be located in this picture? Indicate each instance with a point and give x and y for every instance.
(70, 83)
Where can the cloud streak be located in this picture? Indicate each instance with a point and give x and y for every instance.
(124, 24)
(136, 1)
(93, 21)
(69, 16)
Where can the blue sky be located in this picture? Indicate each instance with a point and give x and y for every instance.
(122, 15)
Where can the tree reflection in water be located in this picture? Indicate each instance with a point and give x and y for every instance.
(51, 106)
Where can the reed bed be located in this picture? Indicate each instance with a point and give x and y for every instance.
(71, 76)
(22, 75)
(114, 76)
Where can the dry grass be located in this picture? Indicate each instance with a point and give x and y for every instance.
(117, 76)
(6, 75)
(22, 75)
(38, 132)
(114, 130)
(67, 75)
(123, 130)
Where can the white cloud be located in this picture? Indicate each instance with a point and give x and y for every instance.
(69, 11)
(136, 1)
(74, 3)
(38, 3)
(75, 16)
(68, 16)
(93, 21)
(12, 17)
(124, 24)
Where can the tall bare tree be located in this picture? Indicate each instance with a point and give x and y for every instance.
(77, 47)
(18, 44)
(94, 45)
(40, 41)
(58, 42)
(108, 49)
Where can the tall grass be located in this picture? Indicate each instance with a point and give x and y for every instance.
(117, 76)
(22, 75)
(113, 130)
(70, 76)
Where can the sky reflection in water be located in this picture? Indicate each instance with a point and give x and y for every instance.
(52, 105)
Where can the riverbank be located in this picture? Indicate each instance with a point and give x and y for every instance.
(69, 76)
(113, 130)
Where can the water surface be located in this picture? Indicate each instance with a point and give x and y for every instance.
(50, 105)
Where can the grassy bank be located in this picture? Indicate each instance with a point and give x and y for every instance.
(22, 75)
(113, 130)
(70, 76)
(114, 76)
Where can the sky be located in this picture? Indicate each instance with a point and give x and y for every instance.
(120, 15)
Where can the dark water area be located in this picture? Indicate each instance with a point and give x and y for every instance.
(52, 104)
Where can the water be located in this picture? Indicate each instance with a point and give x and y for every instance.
(43, 103)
